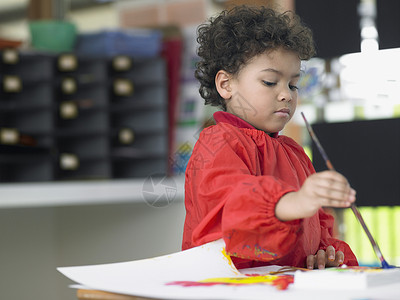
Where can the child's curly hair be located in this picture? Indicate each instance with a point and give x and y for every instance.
(232, 38)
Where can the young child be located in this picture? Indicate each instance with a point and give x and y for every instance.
(244, 182)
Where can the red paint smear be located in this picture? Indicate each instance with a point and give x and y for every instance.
(195, 283)
(283, 282)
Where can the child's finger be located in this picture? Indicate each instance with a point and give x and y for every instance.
(330, 253)
(310, 262)
(339, 258)
(334, 184)
(334, 176)
(320, 259)
(334, 192)
(334, 198)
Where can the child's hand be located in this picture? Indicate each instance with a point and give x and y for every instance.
(324, 259)
(327, 188)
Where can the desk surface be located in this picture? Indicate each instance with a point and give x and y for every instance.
(99, 295)
(387, 292)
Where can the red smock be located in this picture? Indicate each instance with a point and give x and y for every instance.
(234, 178)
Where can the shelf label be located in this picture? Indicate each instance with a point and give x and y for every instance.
(126, 136)
(123, 87)
(10, 56)
(68, 110)
(9, 136)
(121, 63)
(67, 62)
(12, 84)
(69, 161)
(68, 85)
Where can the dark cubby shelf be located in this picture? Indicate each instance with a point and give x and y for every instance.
(29, 66)
(80, 126)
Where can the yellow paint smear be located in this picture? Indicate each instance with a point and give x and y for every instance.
(229, 260)
(243, 280)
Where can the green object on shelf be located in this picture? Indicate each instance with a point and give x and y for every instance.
(52, 35)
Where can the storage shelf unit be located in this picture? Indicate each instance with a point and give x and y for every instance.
(77, 117)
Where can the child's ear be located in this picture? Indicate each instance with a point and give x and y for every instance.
(223, 84)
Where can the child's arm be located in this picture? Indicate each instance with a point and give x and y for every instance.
(327, 188)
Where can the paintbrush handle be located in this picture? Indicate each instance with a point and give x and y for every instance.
(353, 206)
(369, 235)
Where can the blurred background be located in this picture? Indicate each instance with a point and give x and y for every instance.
(99, 112)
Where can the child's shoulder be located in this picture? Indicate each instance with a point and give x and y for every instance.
(220, 130)
(231, 132)
(290, 142)
(293, 145)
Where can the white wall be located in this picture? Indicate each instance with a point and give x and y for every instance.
(27, 254)
(35, 241)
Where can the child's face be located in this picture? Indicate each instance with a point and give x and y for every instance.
(264, 92)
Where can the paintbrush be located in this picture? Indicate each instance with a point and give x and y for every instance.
(353, 207)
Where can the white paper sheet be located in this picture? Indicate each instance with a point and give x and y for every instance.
(142, 276)
(148, 278)
(349, 279)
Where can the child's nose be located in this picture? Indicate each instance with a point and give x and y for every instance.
(285, 95)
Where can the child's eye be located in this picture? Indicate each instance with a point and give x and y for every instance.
(293, 87)
(268, 83)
